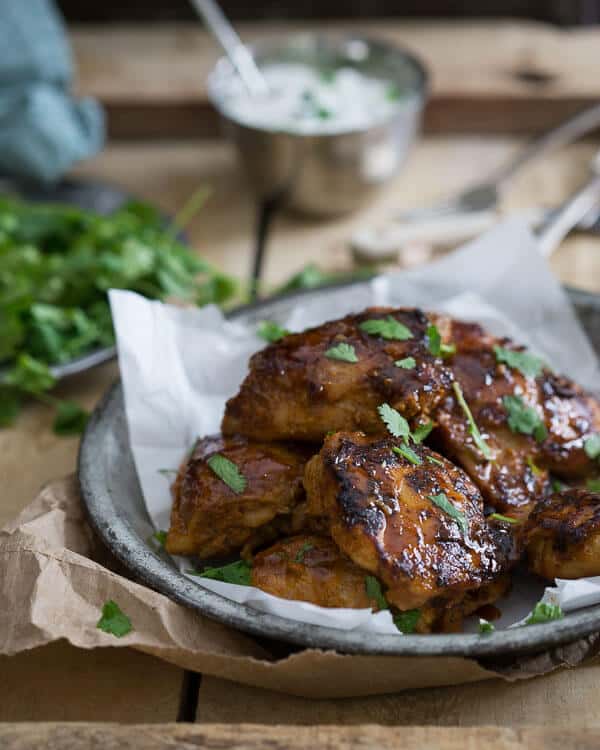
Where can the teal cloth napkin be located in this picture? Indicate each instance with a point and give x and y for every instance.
(43, 129)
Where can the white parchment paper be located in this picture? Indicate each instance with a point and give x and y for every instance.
(179, 366)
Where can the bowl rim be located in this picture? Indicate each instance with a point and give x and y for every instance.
(148, 567)
(419, 94)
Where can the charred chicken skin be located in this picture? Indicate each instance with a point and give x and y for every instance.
(298, 390)
(563, 535)
(209, 519)
(418, 526)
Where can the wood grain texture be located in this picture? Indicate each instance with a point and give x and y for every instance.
(491, 76)
(257, 737)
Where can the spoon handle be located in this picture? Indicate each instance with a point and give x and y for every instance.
(236, 51)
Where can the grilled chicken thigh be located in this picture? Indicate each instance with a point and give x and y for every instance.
(210, 519)
(563, 535)
(297, 388)
(417, 525)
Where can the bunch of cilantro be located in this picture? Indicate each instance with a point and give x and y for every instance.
(56, 265)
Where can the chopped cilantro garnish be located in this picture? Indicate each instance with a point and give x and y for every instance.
(238, 572)
(524, 419)
(543, 612)
(593, 485)
(388, 328)
(406, 622)
(591, 446)
(270, 331)
(422, 432)
(444, 504)
(394, 421)
(342, 351)
(526, 363)
(473, 429)
(435, 345)
(160, 537)
(374, 592)
(306, 547)
(433, 460)
(408, 453)
(408, 363)
(114, 620)
(504, 519)
(228, 472)
(485, 626)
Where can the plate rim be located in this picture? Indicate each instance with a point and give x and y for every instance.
(151, 569)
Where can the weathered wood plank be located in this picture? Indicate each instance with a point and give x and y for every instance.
(260, 737)
(498, 76)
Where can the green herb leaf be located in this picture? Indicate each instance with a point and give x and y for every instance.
(374, 592)
(473, 429)
(422, 432)
(408, 453)
(526, 363)
(342, 351)
(485, 626)
(500, 517)
(593, 485)
(434, 460)
(543, 612)
(306, 547)
(113, 620)
(523, 418)
(558, 486)
(270, 331)
(591, 446)
(227, 471)
(435, 345)
(408, 363)
(70, 418)
(388, 328)
(394, 421)
(30, 375)
(239, 572)
(160, 537)
(444, 504)
(407, 621)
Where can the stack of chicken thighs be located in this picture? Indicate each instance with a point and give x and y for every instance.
(400, 447)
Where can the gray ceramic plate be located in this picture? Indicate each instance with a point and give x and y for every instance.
(114, 503)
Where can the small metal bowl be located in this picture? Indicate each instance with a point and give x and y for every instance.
(333, 172)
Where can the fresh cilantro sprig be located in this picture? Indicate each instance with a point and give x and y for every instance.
(504, 519)
(239, 572)
(442, 502)
(394, 421)
(387, 328)
(544, 612)
(408, 363)
(306, 547)
(228, 472)
(591, 446)
(422, 432)
(343, 352)
(526, 363)
(375, 592)
(113, 620)
(473, 429)
(408, 453)
(523, 418)
(485, 626)
(270, 331)
(435, 345)
(407, 621)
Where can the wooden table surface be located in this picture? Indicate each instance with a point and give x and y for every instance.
(60, 683)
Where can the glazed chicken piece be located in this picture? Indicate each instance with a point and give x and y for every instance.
(517, 476)
(209, 519)
(297, 390)
(419, 529)
(312, 569)
(563, 535)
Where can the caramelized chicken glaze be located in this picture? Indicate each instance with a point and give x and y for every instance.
(209, 519)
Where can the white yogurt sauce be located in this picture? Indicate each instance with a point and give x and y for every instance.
(305, 100)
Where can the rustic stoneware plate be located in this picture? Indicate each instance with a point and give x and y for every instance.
(116, 510)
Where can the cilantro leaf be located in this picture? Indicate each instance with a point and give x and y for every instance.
(228, 472)
(306, 547)
(70, 418)
(485, 626)
(591, 446)
(543, 612)
(473, 429)
(408, 453)
(270, 331)
(374, 592)
(160, 537)
(394, 421)
(408, 363)
(434, 460)
(523, 418)
(434, 341)
(500, 517)
(239, 572)
(444, 504)
(342, 351)
(388, 328)
(523, 361)
(593, 485)
(422, 432)
(30, 375)
(406, 622)
(114, 620)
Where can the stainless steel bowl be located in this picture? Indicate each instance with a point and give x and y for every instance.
(331, 173)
